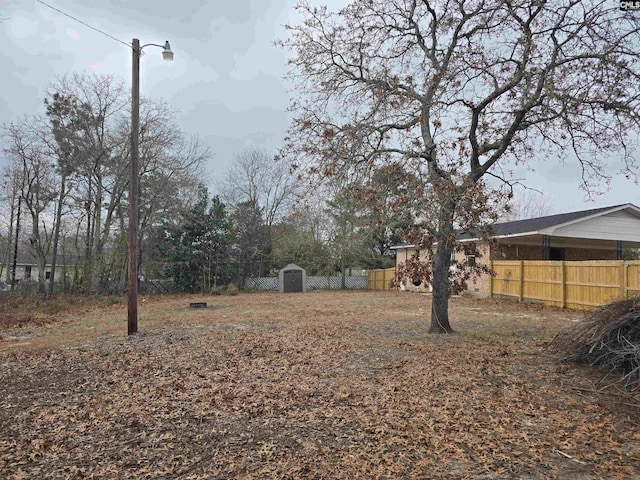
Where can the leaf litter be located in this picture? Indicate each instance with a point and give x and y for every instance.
(323, 385)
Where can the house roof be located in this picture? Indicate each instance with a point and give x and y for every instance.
(538, 224)
(25, 258)
(544, 225)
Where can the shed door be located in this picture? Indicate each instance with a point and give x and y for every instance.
(292, 281)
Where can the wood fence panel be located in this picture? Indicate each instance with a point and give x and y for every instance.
(633, 278)
(507, 279)
(594, 283)
(542, 280)
(380, 279)
(576, 285)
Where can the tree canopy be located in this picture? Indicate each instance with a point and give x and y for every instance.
(455, 91)
(197, 249)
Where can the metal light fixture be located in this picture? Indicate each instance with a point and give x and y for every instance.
(167, 54)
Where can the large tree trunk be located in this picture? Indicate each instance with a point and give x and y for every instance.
(42, 284)
(440, 269)
(441, 289)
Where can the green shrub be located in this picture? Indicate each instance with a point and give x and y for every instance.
(219, 290)
(231, 290)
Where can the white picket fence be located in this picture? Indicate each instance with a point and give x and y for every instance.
(313, 283)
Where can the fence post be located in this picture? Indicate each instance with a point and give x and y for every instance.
(521, 286)
(491, 279)
(563, 278)
(395, 276)
(625, 279)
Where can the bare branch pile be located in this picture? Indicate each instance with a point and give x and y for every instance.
(608, 338)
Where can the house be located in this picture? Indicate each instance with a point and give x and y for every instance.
(27, 270)
(595, 234)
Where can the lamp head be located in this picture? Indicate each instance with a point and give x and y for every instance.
(167, 54)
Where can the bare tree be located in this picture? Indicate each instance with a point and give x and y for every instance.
(38, 184)
(455, 88)
(257, 179)
(89, 136)
(171, 168)
(527, 203)
(10, 191)
(101, 103)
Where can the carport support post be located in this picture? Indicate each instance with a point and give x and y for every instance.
(546, 247)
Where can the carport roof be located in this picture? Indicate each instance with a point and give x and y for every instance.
(543, 225)
(538, 224)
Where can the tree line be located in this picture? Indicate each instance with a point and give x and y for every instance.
(408, 118)
(65, 202)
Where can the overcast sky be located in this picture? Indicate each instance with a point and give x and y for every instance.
(225, 80)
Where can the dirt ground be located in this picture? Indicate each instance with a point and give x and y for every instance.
(340, 385)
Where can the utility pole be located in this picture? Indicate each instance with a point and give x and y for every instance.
(132, 277)
(132, 271)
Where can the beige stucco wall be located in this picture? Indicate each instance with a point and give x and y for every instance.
(401, 257)
(479, 288)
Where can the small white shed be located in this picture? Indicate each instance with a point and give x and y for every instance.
(292, 279)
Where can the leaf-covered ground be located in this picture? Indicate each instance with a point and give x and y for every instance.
(318, 385)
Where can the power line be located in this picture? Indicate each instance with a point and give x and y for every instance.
(83, 23)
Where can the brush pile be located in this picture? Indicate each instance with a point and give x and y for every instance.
(608, 338)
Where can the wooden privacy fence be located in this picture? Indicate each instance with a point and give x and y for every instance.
(381, 279)
(576, 285)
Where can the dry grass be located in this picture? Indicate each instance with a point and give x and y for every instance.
(318, 385)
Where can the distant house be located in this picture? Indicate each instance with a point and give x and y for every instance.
(596, 234)
(27, 270)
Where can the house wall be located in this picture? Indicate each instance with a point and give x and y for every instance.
(33, 277)
(478, 286)
(402, 255)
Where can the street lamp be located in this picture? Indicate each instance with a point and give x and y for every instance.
(132, 272)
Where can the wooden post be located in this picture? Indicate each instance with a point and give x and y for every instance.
(625, 279)
(395, 276)
(132, 265)
(563, 302)
(491, 279)
(521, 286)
